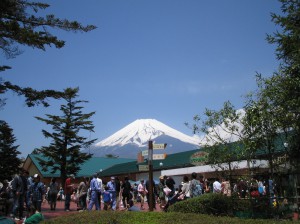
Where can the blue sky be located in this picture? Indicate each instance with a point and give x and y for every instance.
(161, 59)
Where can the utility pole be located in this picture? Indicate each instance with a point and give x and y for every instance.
(150, 164)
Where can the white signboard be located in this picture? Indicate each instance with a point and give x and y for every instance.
(159, 146)
(159, 156)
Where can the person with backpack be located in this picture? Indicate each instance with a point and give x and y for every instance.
(126, 191)
(195, 186)
(37, 191)
(52, 193)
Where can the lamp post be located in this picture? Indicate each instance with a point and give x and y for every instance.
(100, 172)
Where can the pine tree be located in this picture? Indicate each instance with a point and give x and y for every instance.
(9, 162)
(63, 154)
(22, 22)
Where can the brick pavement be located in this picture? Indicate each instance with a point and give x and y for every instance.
(48, 214)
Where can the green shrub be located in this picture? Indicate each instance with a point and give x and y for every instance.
(122, 217)
(215, 204)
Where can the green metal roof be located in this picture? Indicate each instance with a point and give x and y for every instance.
(172, 161)
(88, 168)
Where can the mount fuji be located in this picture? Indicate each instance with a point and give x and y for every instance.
(133, 138)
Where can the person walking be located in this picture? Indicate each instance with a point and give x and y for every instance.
(82, 190)
(18, 190)
(195, 186)
(101, 189)
(141, 192)
(52, 194)
(95, 189)
(37, 191)
(69, 187)
(185, 189)
(126, 191)
(217, 186)
(118, 190)
(112, 190)
(226, 187)
(161, 193)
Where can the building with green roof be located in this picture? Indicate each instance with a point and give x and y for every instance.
(87, 169)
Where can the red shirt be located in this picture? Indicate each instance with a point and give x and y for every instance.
(68, 188)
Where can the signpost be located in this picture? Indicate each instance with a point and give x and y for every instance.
(143, 167)
(151, 157)
(145, 153)
(159, 156)
(159, 146)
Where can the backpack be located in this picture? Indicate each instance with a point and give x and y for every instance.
(196, 188)
(53, 188)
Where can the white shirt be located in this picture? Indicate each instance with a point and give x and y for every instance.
(217, 187)
(100, 183)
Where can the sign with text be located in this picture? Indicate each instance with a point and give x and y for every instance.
(143, 167)
(145, 153)
(159, 146)
(159, 156)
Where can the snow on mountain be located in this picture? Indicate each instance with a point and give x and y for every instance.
(141, 131)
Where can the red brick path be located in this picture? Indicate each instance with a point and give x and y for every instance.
(60, 205)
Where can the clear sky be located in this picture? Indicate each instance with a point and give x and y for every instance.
(161, 59)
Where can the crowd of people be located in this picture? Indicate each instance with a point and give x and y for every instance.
(28, 193)
(23, 197)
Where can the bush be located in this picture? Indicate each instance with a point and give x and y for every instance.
(117, 217)
(214, 204)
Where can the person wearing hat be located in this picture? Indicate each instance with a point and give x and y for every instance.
(112, 189)
(37, 191)
(69, 186)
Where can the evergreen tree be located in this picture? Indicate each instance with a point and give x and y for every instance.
(63, 154)
(283, 88)
(9, 162)
(23, 23)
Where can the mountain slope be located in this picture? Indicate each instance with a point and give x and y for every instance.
(134, 137)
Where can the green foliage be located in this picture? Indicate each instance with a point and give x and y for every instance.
(211, 204)
(9, 162)
(110, 217)
(64, 151)
(23, 23)
(221, 128)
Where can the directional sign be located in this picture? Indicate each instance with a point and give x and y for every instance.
(159, 146)
(145, 153)
(159, 156)
(143, 167)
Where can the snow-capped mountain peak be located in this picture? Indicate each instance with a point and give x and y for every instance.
(141, 131)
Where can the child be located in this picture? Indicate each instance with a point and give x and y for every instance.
(106, 198)
(35, 216)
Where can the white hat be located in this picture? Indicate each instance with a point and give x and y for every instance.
(36, 176)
